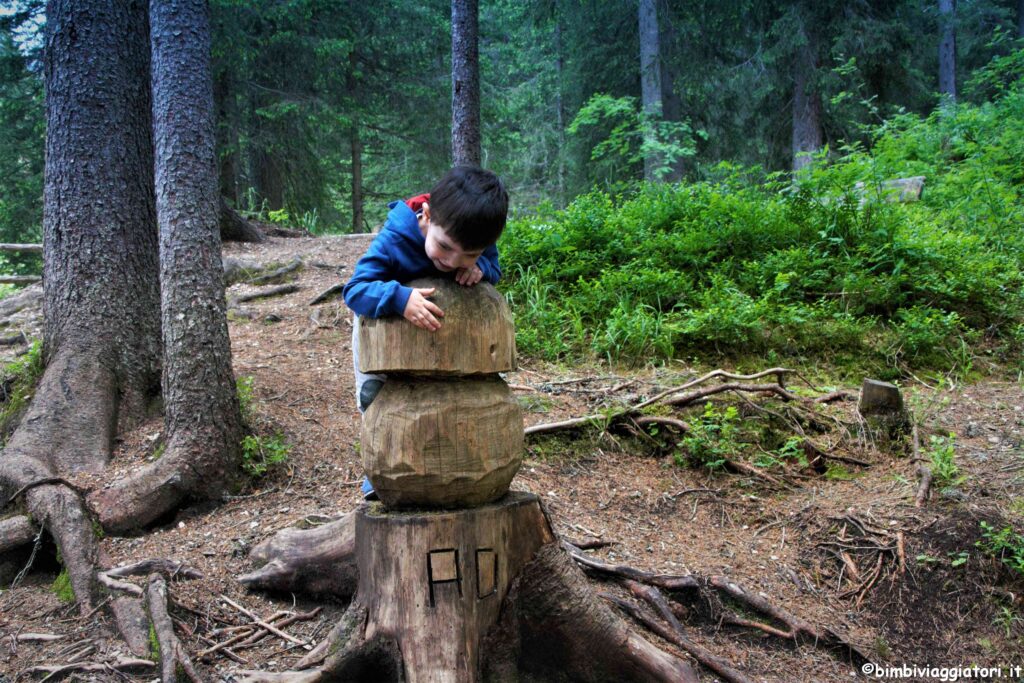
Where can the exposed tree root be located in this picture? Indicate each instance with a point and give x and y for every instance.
(15, 532)
(320, 561)
(266, 278)
(709, 591)
(172, 654)
(189, 468)
(279, 290)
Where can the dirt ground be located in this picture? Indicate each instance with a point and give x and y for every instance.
(915, 591)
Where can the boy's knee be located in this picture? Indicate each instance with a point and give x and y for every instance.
(368, 392)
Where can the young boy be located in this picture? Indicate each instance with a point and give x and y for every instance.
(451, 231)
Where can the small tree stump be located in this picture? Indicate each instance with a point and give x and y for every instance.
(442, 442)
(881, 405)
(439, 579)
(476, 336)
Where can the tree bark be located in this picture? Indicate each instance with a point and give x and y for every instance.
(807, 133)
(650, 79)
(560, 105)
(201, 415)
(947, 49)
(101, 293)
(466, 139)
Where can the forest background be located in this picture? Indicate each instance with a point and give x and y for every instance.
(665, 198)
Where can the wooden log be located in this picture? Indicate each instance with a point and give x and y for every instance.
(437, 581)
(29, 248)
(19, 279)
(442, 442)
(476, 336)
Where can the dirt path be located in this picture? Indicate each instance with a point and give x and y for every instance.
(659, 516)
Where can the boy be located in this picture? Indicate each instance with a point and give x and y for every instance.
(450, 231)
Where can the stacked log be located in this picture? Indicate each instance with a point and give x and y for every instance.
(445, 430)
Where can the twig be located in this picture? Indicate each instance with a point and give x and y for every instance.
(276, 631)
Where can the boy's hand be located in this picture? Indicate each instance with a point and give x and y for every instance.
(468, 277)
(421, 312)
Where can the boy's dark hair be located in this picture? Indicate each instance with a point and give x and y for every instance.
(471, 205)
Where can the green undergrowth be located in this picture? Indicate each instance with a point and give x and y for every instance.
(18, 385)
(752, 264)
(262, 451)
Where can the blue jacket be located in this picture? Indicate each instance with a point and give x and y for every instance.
(397, 255)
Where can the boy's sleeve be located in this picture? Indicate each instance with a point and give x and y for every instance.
(371, 292)
(488, 264)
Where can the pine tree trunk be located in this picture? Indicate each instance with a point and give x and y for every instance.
(356, 144)
(560, 107)
(807, 133)
(466, 138)
(101, 292)
(671, 105)
(650, 79)
(100, 283)
(201, 418)
(947, 49)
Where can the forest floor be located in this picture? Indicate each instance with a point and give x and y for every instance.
(846, 549)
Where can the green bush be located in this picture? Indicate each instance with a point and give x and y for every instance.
(261, 453)
(745, 263)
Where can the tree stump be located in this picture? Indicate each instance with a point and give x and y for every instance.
(881, 406)
(445, 443)
(439, 579)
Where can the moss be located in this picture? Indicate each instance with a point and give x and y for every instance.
(154, 644)
(62, 587)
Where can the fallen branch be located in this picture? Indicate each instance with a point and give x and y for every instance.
(280, 290)
(269, 627)
(672, 397)
(55, 670)
(328, 293)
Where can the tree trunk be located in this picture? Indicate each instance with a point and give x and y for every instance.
(465, 84)
(269, 183)
(101, 293)
(947, 49)
(560, 106)
(671, 105)
(807, 133)
(201, 416)
(650, 81)
(357, 180)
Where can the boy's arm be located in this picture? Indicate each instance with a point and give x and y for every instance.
(488, 265)
(371, 292)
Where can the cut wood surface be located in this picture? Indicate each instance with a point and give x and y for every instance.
(442, 442)
(476, 336)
